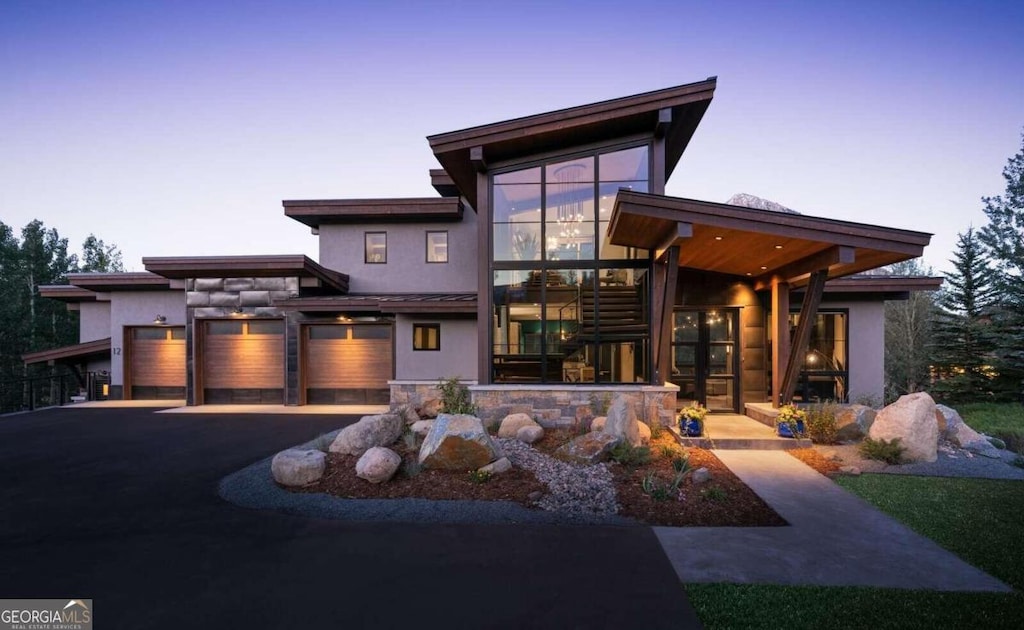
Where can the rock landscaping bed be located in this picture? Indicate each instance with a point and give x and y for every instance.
(929, 440)
(618, 470)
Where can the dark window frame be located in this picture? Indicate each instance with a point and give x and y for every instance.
(366, 248)
(436, 327)
(427, 248)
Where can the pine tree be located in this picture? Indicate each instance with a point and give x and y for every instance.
(1004, 238)
(963, 339)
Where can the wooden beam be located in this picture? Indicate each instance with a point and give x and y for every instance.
(793, 272)
(672, 237)
(666, 276)
(808, 314)
(664, 121)
(476, 158)
(780, 336)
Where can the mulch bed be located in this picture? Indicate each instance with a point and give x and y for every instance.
(724, 501)
(814, 459)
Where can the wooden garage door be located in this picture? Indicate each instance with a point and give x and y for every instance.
(156, 358)
(243, 361)
(348, 363)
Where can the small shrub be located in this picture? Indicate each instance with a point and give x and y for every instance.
(681, 464)
(668, 451)
(479, 476)
(656, 430)
(659, 491)
(888, 451)
(455, 397)
(821, 423)
(714, 493)
(410, 440)
(411, 468)
(632, 456)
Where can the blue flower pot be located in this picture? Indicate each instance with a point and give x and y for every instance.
(784, 431)
(690, 428)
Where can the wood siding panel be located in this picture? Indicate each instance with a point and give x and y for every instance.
(243, 362)
(158, 363)
(348, 363)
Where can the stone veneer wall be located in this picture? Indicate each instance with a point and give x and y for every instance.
(553, 406)
(220, 297)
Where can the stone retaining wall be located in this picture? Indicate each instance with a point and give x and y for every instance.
(553, 406)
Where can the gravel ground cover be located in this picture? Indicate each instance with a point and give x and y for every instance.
(951, 462)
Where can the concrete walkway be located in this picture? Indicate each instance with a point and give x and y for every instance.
(834, 538)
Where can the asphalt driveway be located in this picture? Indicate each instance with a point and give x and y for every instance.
(121, 506)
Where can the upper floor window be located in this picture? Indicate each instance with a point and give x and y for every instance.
(426, 336)
(560, 210)
(376, 247)
(437, 247)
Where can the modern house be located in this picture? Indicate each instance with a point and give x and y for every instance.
(550, 270)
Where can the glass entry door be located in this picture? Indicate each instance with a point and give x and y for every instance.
(705, 361)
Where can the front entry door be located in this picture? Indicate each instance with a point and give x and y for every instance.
(705, 362)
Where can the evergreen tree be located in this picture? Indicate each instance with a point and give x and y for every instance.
(908, 328)
(1004, 238)
(963, 340)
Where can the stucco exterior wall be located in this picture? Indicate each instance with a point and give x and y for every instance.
(406, 269)
(138, 308)
(93, 321)
(457, 356)
(867, 348)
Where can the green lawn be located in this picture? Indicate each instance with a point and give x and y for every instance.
(1003, 420)
(979, 519)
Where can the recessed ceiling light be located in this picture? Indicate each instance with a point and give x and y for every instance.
(778, 247)
(763, 267)
(718, 238)
(749, 274)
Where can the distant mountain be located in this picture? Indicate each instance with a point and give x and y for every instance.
(752, 201)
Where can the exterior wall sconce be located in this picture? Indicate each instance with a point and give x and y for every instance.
(160, 320)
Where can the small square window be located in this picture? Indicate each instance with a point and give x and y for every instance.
(437, 247)
(426, 336)
(376, 248)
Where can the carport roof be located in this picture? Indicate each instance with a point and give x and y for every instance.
(99, 348)
(756, 243)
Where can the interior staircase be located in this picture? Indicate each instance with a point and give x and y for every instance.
(622, 317)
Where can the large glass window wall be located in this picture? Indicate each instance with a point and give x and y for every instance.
(568, 305)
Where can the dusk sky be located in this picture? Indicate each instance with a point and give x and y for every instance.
(177, 128)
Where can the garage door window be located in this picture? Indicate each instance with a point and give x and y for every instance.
(426, 336)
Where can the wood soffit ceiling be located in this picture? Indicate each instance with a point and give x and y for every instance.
(755, 243)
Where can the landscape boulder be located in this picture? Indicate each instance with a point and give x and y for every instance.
(408, 413)
(370, 431)
(622, 422)
(430, 408)
(588, 448)
(853, 422)
(961, 434)
(701, 475)
(645, 433)
(378, 464)
(458, 442)
(298, 467)
(530, 435)
(421, 427)
(912, 420)
(511, 424)
(597, 424)
(497, 467)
